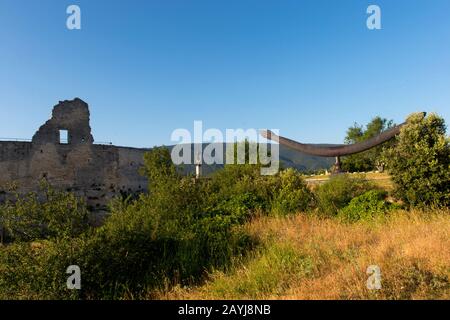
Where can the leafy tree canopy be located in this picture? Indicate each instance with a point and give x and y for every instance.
(419, 163)
(370, 159)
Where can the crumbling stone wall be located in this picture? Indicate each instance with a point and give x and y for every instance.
(95, 172)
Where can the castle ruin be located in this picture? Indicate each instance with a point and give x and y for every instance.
(63, 153)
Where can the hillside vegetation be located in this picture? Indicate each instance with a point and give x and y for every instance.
(240, 234)
(305, 257)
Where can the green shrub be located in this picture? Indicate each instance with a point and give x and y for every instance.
(293, 196)
(136, 249)
(233, 181)
(30, 218)
(241, 189)
(38, 270)
(419, 163)
(336, 193)
(366, 206)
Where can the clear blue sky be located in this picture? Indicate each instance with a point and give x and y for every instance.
(308, 68)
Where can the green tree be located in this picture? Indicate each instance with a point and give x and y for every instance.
(419, 162)
(370, 159)
(169, 191)
(159, 168)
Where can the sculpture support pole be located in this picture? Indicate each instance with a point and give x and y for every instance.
(337, 165)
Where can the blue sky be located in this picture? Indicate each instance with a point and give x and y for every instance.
(309, 68)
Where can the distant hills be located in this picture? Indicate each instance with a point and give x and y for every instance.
(303, 162)
(288, 158)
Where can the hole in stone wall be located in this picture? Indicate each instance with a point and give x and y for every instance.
(63, 136)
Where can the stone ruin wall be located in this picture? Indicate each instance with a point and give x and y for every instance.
(92, 171)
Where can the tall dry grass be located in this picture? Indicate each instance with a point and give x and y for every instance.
(305, 257)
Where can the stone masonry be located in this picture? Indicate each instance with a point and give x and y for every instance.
(93, 171)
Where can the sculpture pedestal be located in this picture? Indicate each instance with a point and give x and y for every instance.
(337, 166)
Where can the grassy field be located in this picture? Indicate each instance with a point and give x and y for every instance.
(305, 257)
(383, 180)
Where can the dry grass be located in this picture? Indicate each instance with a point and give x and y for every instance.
(383, 180)
(305, 257)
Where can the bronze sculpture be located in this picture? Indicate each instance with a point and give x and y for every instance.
(335, 150)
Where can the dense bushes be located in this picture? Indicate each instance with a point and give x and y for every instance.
(337, 193)
(156, 246)
(293, 195)
(38, 270)
(419, 163)
(238, 189)
(366, 206)
(29, 218)
(140, 247)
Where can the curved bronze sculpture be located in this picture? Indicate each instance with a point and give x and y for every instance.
(335, 150)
